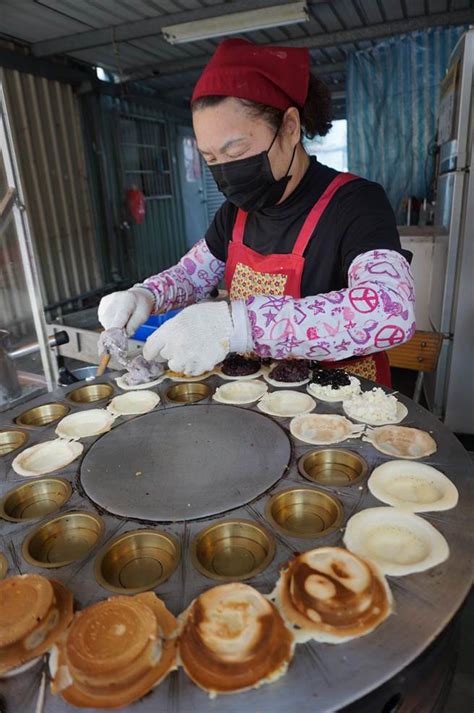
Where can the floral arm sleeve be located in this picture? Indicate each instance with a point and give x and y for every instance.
(191, 280)
(375, 312)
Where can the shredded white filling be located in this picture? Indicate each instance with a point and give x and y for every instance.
(339, 394)
(372, 405)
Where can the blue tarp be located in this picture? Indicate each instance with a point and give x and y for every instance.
(392, 102)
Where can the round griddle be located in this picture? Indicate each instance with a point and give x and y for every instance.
(212, 465)
(182, 465)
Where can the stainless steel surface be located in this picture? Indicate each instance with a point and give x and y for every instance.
(188, 393)
(35, 499)
(459, 411)
(173, 465)
(52, 341)
(44, 415)
(321, 677)
(448, 285)
(10, 383)
(62, 540)
(304, 512)
(444, 200)
(91, 393)
(11, 439)
(232, 550)
(10, 387)
(333, 466)
(453, 260)
(86, 373)
(137, 561)
(448, 159)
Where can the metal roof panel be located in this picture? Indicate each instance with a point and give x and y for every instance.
(32, 22)
(97, 14)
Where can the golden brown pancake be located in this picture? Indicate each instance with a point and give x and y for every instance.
(34, 612)
(234, 639)
(115, 652)
(331, 595)
(24, 601)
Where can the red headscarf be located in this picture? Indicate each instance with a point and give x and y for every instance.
(275, 76)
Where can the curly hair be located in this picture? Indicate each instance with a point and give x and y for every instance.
(315, 115)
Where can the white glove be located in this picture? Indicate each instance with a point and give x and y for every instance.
(194, 341)
(126, 310)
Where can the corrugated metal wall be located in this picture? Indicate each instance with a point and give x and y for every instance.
(48, 142)
(134, 251)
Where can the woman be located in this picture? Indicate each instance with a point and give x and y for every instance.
(311, 257)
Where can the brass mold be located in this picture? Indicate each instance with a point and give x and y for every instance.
(137, 561)
(62, 540)
(11, 440)
(333, 466)
(188, 393)
(232, 550)
(3, 566)
(90, 394)
(35, 499)
(43, 415)
(304, 512)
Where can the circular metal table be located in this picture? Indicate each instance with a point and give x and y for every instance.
(322, 677)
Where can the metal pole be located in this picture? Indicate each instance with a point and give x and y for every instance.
(25, 244)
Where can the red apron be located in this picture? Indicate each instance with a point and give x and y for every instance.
(250, 273)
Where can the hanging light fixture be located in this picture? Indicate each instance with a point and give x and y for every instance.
(237, 23)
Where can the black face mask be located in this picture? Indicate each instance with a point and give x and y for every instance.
(249, 183)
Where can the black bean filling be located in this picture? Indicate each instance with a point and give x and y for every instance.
(291, 371)
(335, 378)
(238, 365)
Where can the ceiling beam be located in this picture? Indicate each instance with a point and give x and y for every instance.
(147, 27)
(17, 60)
(166, 70)
(153, 26)
(383, 29)
(155, 69)
(338, 91)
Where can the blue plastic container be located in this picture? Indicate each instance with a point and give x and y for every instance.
(152, 324)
